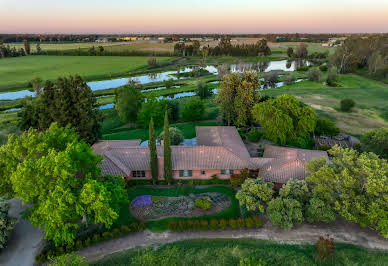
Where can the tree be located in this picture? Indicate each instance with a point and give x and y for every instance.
(153, 152)
(297, 190)
(58, 176)
(314, 74)
(284, 118)
(128, 101)
(152, 62)
(176, 136)
(7, 224)
(285, 212)
(193, 109)
(27, 46)
(196, 47)
(355, 184)
(318, 211)
(68, 101)
(332, 76)
(152, 108)
(347, 105)
(255, 194)
(290, 52)
(376, 141)
(203, 90)
(237, 95)
(167, 151)
(301, 51)
(326, 127)
(38, 49)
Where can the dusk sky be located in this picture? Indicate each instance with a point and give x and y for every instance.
(192, 16)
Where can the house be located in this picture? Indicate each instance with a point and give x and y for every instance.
(219, 152)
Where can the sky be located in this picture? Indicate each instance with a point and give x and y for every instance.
(193, 16)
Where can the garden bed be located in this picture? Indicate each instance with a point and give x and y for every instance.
(152, 208)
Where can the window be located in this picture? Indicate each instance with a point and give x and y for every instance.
(203, 172)
(138, 173)
(227, 172)
(185, 173)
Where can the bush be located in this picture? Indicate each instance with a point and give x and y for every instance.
(106, 235)
(134, 227)
(347, 105)
(40, 258)
(326, 127)
(96, 238)
(176, 136)
(323, 68)
(289, 79)
(116, 233)
(172, 226)
(376, 141)
(325, 247)
(236, 180)
(152, 62)
(88, 241)
(223, 224)
(240, 222)
(204, 225)
(258, 222)
(214, 224)
(332, 77)
(203, 90)
(194, 109)
(314, 74)
(124, 230)
(302, 68)
(203, 204)
(254, 135)
(251, 262)
(232, 223)
(79, 245)
(7, 224)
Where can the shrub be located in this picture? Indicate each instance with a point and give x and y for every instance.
(332, 77)
(302, 68)
(326, 127)
(214, 224)
(116, 233)
(152, 62)
(254, 135)
(203, 204)
(124, 230)
(257, 221)
(41, 257)
(193, 110)
(7, 224)
(289, 79)
(142, 226)
(106, 235)
(324, 147)
(325, 247)
(240, 222)
(232, 223)
(223, 224)
(251, 262)
(376, 141)
(172, 226)
(249, 222)
(181, 225)
(236, 180)
(79, 245)
(204, 225)
(88, 241)
(323, 68)
(134, 227)
(203, 90)
(61, 250)
(176, 136)
(197, 225)
(314, 74)
(96, 238)
(347, 105)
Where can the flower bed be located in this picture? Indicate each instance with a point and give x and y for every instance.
(148, 208)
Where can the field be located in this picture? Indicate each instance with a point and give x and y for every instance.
(19, 71)
(230, 251)
(371, 99)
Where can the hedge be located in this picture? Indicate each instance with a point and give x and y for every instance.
(95, 238)
(213, 181)
(215, 224)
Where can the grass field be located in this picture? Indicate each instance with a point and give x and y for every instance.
(371, 99)
(230, 251)
(19, 71)
(232, 211)
(64, 46)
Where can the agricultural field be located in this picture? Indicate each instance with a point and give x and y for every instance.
(18, 71)
(231, 251)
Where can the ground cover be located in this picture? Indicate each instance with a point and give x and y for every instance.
(125, 216)
(231, 251)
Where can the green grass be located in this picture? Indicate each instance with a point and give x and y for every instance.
(371, 99)
(230, 251)
(19, 71)
(125, 217)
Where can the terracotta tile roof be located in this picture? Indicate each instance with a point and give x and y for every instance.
(101, 146)
(227, 137)
(286, 153)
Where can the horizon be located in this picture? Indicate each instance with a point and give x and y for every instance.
(199, 17)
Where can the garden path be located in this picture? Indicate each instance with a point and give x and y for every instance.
(341, 231)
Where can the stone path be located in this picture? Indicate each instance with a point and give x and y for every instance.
(341, 231)
(25, 240)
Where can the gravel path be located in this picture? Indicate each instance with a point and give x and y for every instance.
(342, 231)
(25, 240)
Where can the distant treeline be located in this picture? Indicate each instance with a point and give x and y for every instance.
(8, 51)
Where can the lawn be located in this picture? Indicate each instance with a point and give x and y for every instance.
(126, 218)
(18, 71)
(230, 251)
(371, 99)
(64, 46)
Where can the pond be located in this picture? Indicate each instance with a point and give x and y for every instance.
(186, 142)
(12, 110)
(163, 76)
(151, 208)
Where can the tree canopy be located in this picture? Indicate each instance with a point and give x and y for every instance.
(376, 141)
(284, 118)
(152, 108)
(237, 95)
(68, 101)
(176, 136)
(7, 224)
(128, 101)
(58, 175)
(254, 194)
(355, 185)
(193, 109)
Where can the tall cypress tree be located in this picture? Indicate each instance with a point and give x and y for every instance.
(167, 151)
(153, 152)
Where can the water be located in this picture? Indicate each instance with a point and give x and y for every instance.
(160, 77)
(186, 142)
(158, 89)
(106, 106)
(12, 110)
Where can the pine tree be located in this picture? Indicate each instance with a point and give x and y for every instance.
(167, 151)
(153, 152)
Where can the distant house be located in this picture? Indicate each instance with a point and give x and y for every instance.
(219, 152)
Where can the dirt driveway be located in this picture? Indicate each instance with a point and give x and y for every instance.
(24, 242)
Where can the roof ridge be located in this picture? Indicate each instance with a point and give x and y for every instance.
(122, 167)
(235, 155)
